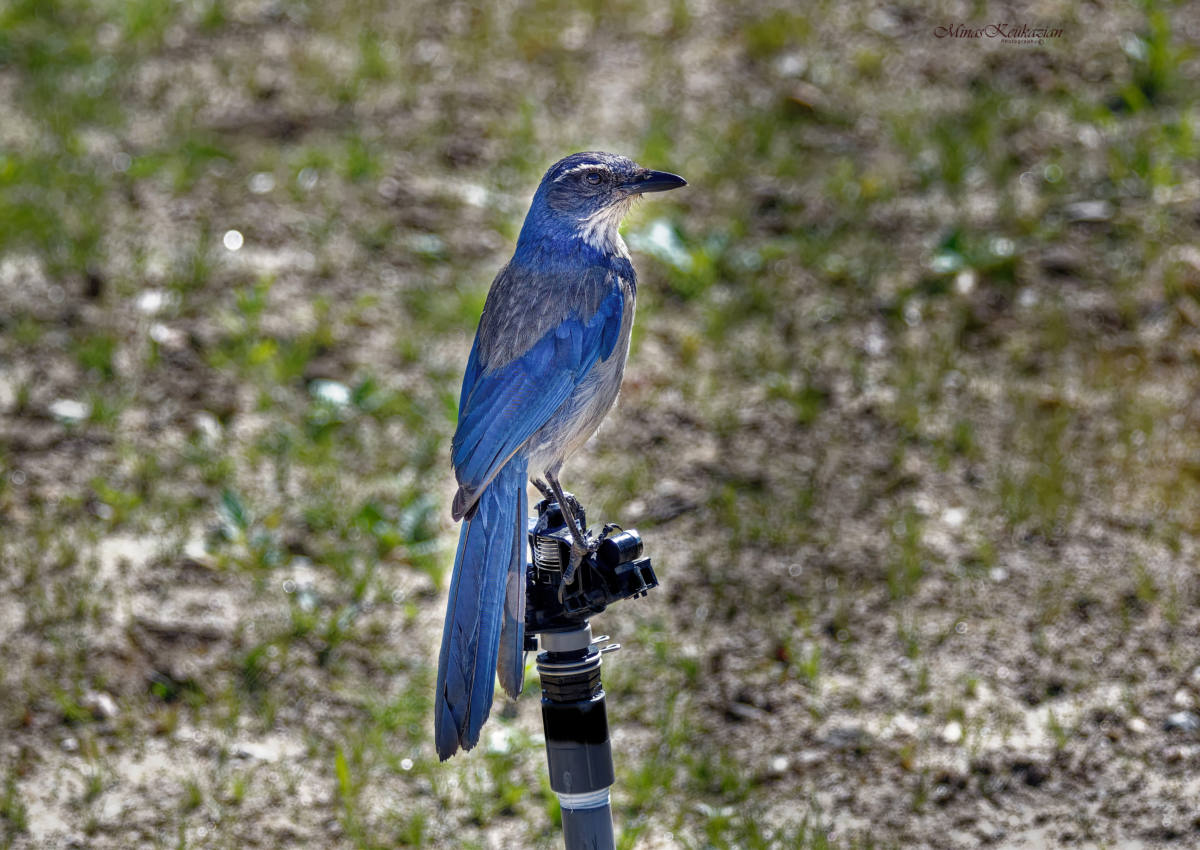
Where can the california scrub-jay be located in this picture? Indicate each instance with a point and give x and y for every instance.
(543, 372)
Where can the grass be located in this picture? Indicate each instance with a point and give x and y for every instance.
(13, 810)
(878, 301)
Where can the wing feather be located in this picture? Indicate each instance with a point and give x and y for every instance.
(506, 404)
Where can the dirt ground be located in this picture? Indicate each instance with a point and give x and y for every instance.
(911, 427)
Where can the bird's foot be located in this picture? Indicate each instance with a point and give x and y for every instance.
(543, 488)
(578, 553)
(572, 505)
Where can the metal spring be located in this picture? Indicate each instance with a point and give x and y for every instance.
(549, 554)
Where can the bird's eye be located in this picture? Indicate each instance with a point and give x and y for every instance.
(592, 177)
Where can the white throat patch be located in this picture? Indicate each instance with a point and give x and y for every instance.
(600, 230)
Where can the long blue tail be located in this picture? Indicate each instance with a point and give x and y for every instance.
(491, 552)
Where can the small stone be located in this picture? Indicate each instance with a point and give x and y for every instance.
(101, 705)
(952, 733)
(1182, 699)
(262, 182)
(307, 179)
(1182, 721)
(905, 726)
(1137, 726)
(791, 64)
(70, 411)
(500, 740)
(208, 427)
(989, 831)
(151, 301)
(331, 392)
(847, 738)
(195, 552)
(1191, 314)
(740, 711)
(1062, 260)
(255, 751)
(810, 758)
(809, 96)
(1088, 211)
(168, 337)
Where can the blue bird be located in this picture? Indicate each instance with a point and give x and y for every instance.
(543, 372)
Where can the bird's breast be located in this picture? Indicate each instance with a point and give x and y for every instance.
(581, 414)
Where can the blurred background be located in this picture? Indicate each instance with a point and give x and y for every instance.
(911, 425)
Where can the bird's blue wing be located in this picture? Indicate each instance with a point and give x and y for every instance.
(504, 406)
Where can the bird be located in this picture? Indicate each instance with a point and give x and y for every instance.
(543, 372)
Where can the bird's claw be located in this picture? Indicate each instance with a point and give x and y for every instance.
(578, 553)
(572, 505)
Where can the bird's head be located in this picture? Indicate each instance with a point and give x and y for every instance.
(585, 195)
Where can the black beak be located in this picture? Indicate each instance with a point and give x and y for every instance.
(653, 181)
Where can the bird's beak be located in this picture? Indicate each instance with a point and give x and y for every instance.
(653, 181)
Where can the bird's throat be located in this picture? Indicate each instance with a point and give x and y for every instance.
(601, 230)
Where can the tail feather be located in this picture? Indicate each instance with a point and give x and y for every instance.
(488, 545)
(511, 664)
